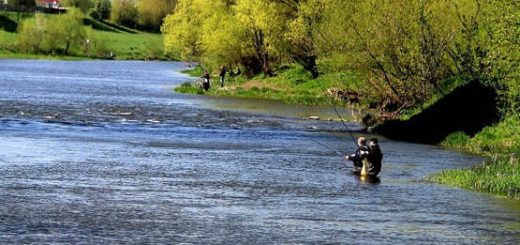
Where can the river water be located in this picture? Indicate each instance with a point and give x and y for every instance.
(105, 152)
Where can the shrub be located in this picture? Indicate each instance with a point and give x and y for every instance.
(124, 12)
(101, 9)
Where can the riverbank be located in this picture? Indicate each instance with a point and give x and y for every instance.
(110, 41)
(500, 172)
(292, 85)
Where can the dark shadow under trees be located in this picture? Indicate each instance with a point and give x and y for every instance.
(468, 108)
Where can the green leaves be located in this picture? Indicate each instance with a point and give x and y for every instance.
(403, 49)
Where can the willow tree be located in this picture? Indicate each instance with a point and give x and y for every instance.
(304, 25)
(264, 23)
(250, 33)
(152, 12)
(183, 29)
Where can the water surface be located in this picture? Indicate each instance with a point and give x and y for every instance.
(105, 152)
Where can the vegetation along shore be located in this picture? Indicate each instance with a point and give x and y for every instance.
(440, 72)
(86, 29)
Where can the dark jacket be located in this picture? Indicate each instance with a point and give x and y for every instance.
(374, 160)
(357, 158)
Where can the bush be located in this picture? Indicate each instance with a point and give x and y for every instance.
(124, 12)
(30, 34)
(56, 34)
(101, 9)
(152, 12)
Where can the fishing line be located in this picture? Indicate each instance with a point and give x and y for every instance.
(342, 121)
(326, 146)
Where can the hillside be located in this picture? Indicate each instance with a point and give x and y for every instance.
(105, 40)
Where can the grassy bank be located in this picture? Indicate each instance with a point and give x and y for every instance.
(292, 85)
(500, 173)
(503, 138)
(124, 43)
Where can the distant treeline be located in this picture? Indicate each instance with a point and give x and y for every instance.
(404, 50)
(142, 14)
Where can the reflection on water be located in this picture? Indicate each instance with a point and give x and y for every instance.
(275, 108)
(104, 152)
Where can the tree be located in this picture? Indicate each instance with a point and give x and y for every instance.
(52, 34)
(21, 5)
(73, 29)
(302, 35)
(182, 29)
(101, 9)
(152, 12)
(83, 5)
(30, 34)
(124, 12)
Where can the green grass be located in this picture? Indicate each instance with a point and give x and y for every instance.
(125, 43)
(498, 175)
(503, 138)
(501, 173)
(189, 88)
(292, 85)
(197, 71)
(129, 46)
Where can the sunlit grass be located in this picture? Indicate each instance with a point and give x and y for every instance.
(133, 45)
(292, 85)
(503, 138)
(498, 175)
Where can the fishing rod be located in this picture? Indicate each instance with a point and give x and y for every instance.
(342, 121)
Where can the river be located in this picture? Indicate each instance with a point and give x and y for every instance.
(96, 152)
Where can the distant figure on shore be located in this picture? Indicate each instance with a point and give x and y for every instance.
(206, 82)
(222, 75)
(234, 74)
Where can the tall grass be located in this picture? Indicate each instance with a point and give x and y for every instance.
(498, 175)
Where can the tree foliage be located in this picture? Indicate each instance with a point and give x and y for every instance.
(101, 9)
(403, 49)
(124, 12)
(56, 34)
(152, 12)
(21, 4)
(83, 5)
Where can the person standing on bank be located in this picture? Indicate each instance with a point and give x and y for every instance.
(222, 75)
(205, 83)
